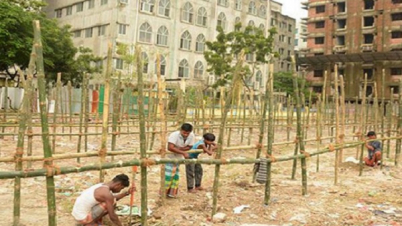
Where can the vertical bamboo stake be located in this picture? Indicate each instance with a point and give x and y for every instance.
(116, 111)
(244, 115)
(389, 124)
(236, 77)
(382, 110)
(318, 129)
(3, 129)
(48, 162)
(81, 117)
(343, 120)
(362, 124)
(56, 111)
(85, 93)
(141, 114)
(289, 110)
(163, 125)
(299, 135)
(105, 116)
(336, 102)
(30, 92)
(70, 106)
(399, 127)
(268, 102)
(22, 119)
(375, 103)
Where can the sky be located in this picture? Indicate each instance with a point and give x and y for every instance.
(293, 8)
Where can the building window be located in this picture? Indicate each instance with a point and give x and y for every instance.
(145, 60)
(59, 13)
(198, 70)
(91, 4)
(202, 16)
(223, 2)
(222, 21)
(122, 29)
(341, 23)
(251, 8)
(320, 24)
(238, 4)
(187, 14)
(104, 2)
(258, 78)
(368, 38)
(320, 9)
(289, 40)
(118, 64)
(368, 4)
(290, 28)
(396, 34)
(164, 8)
(281, 51)
(147, 6)
(319, 40)
(368, 21)
(79, 7)
(162, 36)
(69, 10)
(249, 57)
(184, 69)
(396, 71)
(162, 63)
(394, 89)
(102, 30)
(185, 41)
(263, 11)
(200, 43)
(369, 72)
(282, 38)
(318, 73)
(341, 7)
(77, 34)
(340, 40)
(396, 16)
(262, 28)
(145, 32)
(88, 32)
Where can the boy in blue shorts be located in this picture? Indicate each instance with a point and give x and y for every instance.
(194, 171)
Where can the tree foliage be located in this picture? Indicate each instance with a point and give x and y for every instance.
(283, 82)
(224, 51)
(16, 39)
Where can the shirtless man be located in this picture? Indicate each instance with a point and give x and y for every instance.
(99, 200)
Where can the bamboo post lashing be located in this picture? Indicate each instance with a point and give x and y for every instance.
(105, 114)
(141, 115)
(48, 163)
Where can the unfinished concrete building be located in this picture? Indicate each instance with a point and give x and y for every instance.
(361, 37)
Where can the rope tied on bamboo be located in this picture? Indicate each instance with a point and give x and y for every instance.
(49, 166)
(305, 153)
(102, 152)
(116, 133)
(318, 138)
(147, 162)
(223, 161)
(18, 154)
(205, 126)
(331, 147)
(341, 136)
(296, 140)
(259, 146)
(271, 157)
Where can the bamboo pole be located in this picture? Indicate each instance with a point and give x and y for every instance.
(299, 136)
(141, 114)
(85, 89)
(30, 92)
(70, 106)
(56, 110)
(236, 77)
(23, 115)
(105, 116)
(48, 163)
(268, 102)
(81, 117)
(399, 127)
(362, 117)
(337, 141)
(343, 115)
(116, 111)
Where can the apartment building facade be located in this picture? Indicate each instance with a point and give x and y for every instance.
(363, 37)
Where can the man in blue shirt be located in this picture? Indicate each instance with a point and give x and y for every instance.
(374, 150)
(194, 171)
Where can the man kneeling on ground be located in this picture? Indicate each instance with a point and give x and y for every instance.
(374, 150)
(98, 201)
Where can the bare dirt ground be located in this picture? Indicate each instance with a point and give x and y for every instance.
(372, 199)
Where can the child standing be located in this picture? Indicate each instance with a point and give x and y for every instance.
(194, 171)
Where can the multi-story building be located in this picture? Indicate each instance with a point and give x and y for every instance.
(363, 37)
(285, 39)
(301, 39)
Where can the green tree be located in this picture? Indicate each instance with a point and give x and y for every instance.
(224, 51)
(29, 5)
(16, 39)
(84, 64)
(283, 82)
